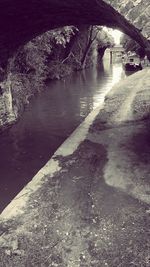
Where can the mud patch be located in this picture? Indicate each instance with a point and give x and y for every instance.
(75, 219)
(139, 144)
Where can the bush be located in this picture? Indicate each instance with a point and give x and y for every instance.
(58, 70)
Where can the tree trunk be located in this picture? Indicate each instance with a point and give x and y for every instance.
(83, 60)
(70, 45)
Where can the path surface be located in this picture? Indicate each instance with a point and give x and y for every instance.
(91, 206)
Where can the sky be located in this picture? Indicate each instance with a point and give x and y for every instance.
(116, 34)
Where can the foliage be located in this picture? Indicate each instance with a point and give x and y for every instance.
(104, 38)
(52, 55)
(131, 45)
(90, 38)
(58, 70)
(33, 57)
(63, 35)
(46, 41)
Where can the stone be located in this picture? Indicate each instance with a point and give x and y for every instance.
(134, 11)
(22, 22)
(8, 252)
(18, 252)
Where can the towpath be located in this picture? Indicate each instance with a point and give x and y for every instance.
(89, 206)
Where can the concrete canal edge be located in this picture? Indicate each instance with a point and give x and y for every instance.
(89, 205)
(16, 206)
(119, 92)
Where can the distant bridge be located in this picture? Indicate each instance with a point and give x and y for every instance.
(116, 50)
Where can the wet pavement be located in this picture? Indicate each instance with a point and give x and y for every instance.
(89, 206)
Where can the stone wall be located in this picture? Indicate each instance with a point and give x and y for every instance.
(21, 21)
(136, 11)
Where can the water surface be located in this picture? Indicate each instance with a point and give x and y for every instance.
(47, 121)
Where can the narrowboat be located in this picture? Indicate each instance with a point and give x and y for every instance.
(132, 63)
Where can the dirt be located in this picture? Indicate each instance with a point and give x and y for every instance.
(94, 211)
(76, 219)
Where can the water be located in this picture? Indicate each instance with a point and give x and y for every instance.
(48, 120)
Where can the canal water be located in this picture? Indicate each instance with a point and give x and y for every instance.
(47, 121)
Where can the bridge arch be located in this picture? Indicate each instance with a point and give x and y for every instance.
(20, 21)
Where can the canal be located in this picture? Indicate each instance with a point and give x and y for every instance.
(47, 121)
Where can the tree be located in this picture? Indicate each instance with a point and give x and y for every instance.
(101, 37)
(93, 33)
(131, 45)
(104, 41)
(95, 37)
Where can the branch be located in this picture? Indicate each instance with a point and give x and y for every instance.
(91, 32)
(71, 54)
(66, 58)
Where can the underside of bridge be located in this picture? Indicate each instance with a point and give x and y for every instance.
(20, 21)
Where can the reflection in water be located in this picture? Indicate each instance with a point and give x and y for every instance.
(48, 120)
(117, 74)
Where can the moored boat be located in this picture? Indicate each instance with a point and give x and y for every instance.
(132, 62)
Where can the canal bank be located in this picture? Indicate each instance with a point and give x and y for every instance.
(89, 205)
(47, 122)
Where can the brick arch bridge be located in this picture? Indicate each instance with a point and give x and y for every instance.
(20, 20)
